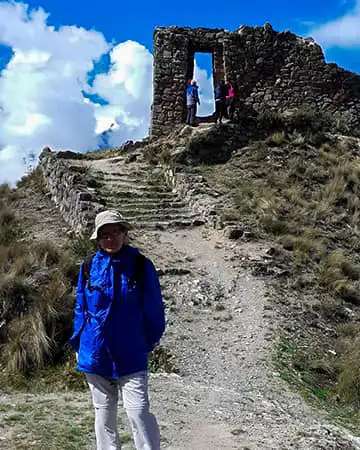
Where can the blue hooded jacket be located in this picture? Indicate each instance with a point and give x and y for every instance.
(192, 95)
(116, 322)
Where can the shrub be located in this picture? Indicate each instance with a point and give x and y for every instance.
(337, 275)
(297, 138)
(81, 245)
(306, 247)
(273, 225)
(161, 360)
(275, 139)
(33, 179)
(307, 118)
(28, 344)
(348, 385)
(7, 193)
(271, 119)
(10, 229)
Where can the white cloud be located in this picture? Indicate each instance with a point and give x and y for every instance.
(41, 101)
(41, 89)
(341, 32)
(206, 91)
(127, 87)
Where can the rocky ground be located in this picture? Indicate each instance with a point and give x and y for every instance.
(222, 330)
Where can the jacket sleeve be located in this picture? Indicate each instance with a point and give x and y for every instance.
(79, 313)
(153, 307)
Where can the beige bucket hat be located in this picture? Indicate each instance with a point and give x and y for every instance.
(108, 217)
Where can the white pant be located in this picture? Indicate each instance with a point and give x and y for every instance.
(134, 390)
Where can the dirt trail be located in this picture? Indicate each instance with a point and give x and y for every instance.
(228, 396)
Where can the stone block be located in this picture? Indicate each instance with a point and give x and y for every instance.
(234, 232)
(84, 196)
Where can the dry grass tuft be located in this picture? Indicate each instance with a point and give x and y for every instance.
(276, 139)
(348, 386)
(338, 275)
(33, 179)
(36, 296)
(9, 225)
(36, 304)
(28, 344)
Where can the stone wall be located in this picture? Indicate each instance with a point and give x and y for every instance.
(77, 203)
(271, 71)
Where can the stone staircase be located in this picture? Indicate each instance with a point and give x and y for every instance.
(139, 191)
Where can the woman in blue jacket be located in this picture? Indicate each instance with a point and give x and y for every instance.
(119, 317)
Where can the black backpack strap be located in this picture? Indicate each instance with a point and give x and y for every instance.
(139, 270)
(87, 266)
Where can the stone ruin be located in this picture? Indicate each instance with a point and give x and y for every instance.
(271, 70)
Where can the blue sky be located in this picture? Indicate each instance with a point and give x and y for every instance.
(50, 93)
(121, 20)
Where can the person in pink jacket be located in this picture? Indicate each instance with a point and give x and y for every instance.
(230, 100)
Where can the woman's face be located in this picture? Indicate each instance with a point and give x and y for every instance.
(112, 237)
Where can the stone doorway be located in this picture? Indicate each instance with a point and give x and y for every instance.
(203, 74)
(218, 72)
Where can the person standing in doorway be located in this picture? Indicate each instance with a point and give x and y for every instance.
(230, 100)
(220, 93)
(192, 100)
(119, 318)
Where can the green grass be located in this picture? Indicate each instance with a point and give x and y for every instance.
(52, 422)
(49, 425)
(305, 371)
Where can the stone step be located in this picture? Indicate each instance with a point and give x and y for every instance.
(131, 181)
(142, 217)
(170, 212)
(123, 178)
(138, 195)
(124, 172)
(159, 214)
(162, 224)
(118, 163)
(149, 203)
(135, 186)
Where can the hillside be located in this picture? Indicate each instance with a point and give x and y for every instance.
(300, 195)
(255, 240)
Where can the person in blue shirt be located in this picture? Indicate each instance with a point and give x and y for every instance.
(119, 318)
(192, 100)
